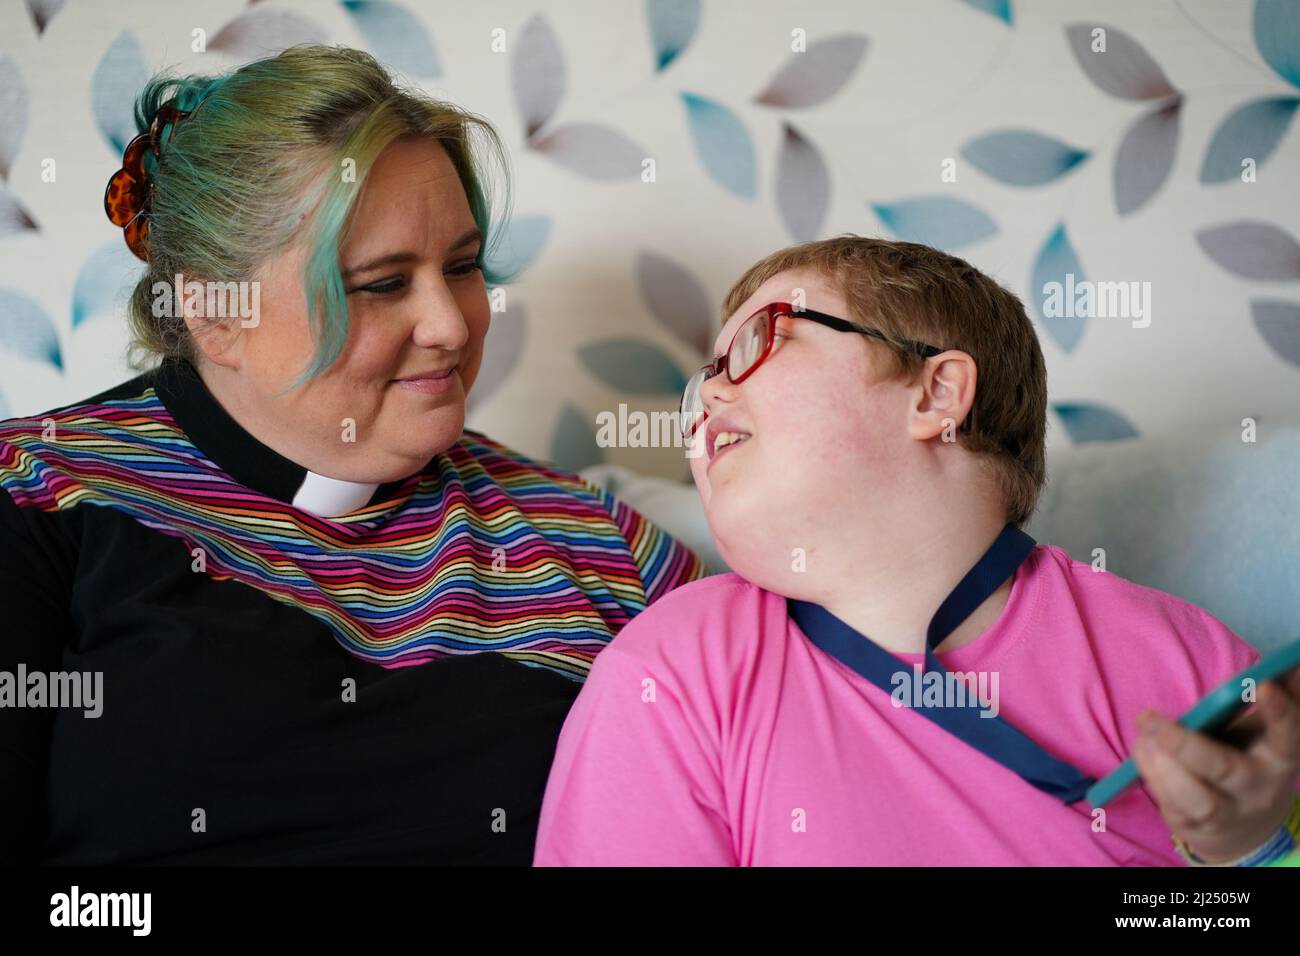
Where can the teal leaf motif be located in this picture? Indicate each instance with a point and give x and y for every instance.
(723, 145)
(998, 8)
(631, 365)
(1021, 157)
(1252, 130)
(514, 249)
(26, 330)
(1055, 264)
(1086, 422)
(105, 281)
(939, 221)
(1277, 34)
(117, 81)
(672, 27)
(395, 35)
(574, 445)
(1279, 323)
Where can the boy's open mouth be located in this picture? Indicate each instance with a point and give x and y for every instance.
(722, 435)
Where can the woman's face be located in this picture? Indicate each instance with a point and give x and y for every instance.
(828, 448)
(417, 306)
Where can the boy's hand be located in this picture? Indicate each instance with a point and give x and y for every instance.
(1224, 802)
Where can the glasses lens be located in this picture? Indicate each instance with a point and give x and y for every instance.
(692, 410)
(749, 345)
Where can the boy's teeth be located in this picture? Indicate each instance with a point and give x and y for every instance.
(727, 438)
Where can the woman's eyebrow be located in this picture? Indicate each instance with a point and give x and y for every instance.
(392, 258)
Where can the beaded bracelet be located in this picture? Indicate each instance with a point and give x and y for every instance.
(1282, 842)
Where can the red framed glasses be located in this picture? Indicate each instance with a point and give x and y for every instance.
(752, 344)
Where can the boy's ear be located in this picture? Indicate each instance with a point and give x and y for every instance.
(943, 395)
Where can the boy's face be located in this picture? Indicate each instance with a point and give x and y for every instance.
(829, 450)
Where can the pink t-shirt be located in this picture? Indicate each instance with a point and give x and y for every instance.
(711, 731)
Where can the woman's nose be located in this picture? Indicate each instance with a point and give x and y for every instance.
(439, 322)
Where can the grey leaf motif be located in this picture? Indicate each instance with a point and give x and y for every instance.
(1146, 155)
(43, 11)
(537, 74)
(1255, 250)
(592, 150)
(1123, 69)
(501, 352)
(676, 299)
(262, 31)
(1279, 323)
(815, 75)
(13, 113)
(803, 187)
(13, 217)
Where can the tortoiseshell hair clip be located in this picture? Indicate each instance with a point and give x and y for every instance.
(130, 190)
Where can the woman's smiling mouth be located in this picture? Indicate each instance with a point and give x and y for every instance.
(430, 383)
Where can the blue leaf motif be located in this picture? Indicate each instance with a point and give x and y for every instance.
(1050, 289)
(723, 145)
(395, 35)
(998, 8)
(1277, 34)
(630, 365)
(672, 27)
(1086, 422)
(1253, 131)
(1021, 157)
(1279, 323)
(27, 330)
(676, 299)
(105, 281)
(574, 445)
(938, 221)
(514, 249)
(118, 79)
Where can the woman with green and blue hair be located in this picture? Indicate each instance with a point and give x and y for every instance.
(310, 616)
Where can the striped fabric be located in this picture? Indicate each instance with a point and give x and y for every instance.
(484, 550)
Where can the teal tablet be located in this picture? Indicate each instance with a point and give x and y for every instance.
(1213, 710)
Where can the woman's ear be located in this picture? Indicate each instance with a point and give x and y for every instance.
(218, 337)
(944, 395)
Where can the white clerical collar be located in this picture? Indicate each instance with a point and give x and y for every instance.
(331, 497)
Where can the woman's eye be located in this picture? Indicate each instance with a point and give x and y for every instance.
(466, 268)
(386, 286)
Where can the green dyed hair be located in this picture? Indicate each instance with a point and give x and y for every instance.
(263, 147)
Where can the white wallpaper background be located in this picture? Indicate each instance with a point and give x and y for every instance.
(1123, 165)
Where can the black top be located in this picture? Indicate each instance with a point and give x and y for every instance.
(227, 732)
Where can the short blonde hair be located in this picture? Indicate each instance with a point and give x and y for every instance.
(913, 292)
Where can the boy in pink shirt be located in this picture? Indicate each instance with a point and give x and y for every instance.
(859, 483)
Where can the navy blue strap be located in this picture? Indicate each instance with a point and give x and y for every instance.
(992, 736)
